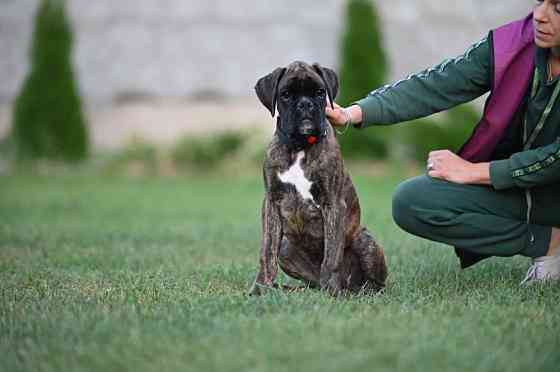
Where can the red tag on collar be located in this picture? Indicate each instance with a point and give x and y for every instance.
(311, 140)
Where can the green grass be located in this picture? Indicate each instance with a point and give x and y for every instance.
(104, 274)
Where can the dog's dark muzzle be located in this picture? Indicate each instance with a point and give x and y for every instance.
(308, 128)
(308, 133)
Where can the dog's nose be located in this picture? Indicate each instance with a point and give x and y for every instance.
(305, 105)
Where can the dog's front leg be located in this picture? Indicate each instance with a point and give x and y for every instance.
(271, 237)
(331, 267)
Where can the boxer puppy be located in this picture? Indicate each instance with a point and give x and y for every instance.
(311, 213)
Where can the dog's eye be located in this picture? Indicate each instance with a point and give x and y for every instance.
(320, 92)
(285, 95)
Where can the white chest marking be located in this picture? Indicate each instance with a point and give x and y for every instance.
(295, 176)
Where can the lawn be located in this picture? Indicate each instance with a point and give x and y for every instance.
(117, 274)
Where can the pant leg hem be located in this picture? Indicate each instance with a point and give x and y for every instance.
(538, 241)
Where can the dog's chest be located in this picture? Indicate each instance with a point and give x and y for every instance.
(295, 176)
(299, 205)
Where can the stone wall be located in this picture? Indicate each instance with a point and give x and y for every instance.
(186, 48)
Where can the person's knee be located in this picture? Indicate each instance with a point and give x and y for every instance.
(407, 202)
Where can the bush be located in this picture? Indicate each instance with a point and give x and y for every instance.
(231, 151)
(363, 68)
(206, 153)
(449, 131)
(48, 119)
(136, 158)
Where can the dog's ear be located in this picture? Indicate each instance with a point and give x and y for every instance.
(330, 79)
(267, 89)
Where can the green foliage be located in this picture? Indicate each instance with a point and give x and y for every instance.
(117, 274)
(6, 147)
(206, 153)
(136, 158)
(365, 144)
(364, 64)
(363, 68)
(48, 118)
(139, 151)
(450, 131)
(232, 152)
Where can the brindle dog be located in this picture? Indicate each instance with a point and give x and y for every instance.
(311, 214)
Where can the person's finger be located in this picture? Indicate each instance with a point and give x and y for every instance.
(336, 117)
(329, 109)
(331, 114)
(445, 154)
(431, 161)
(438, 153)
(334, 104)
(436, 174)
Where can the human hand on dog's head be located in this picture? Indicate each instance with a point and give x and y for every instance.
(340, 116)
(299, 93)
(335, 115)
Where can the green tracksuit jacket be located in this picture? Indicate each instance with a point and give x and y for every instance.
(491, 227)
(463, 79)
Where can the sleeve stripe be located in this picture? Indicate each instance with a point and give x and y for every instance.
(537, 166)
(441, 67)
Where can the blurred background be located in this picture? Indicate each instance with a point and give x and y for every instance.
(167, 86)
(131, 147)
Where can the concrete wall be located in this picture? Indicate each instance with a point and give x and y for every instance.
(186, 48)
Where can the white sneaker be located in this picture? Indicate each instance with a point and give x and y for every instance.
(546, 268)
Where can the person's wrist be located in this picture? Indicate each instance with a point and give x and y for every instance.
(346, 120)
(355, 112)
(347, 116)
(481, 173)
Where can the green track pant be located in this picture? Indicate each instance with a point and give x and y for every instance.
(476, 218)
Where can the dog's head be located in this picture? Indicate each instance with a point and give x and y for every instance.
(300, 92)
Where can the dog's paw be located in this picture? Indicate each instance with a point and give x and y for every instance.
(258, 289)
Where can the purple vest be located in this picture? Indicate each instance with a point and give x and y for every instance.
(513, 67)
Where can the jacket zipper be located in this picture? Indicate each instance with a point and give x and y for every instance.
(528, 141)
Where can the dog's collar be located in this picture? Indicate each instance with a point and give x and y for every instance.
(297, 144)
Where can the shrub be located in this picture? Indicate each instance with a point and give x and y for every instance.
(449, 131)
(363, 68)
(136, 158)
(48, 119)
(206, 153)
